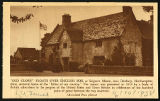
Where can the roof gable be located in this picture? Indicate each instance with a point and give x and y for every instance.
(55, 35)
(18, 54)
(64, 36)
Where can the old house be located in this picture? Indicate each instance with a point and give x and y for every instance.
(147, 41)
(95, 40)
(26, 54)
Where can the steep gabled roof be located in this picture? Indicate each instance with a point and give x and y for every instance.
(55, 35)
(28, 53)
(95, 28)
(102, 27)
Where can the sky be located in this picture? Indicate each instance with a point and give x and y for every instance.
(28, 33)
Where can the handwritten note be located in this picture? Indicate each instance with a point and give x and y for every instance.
(23, 93)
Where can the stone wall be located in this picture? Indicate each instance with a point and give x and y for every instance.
(109, 46)
(131, 40)
(77, 52)
(90, 50)
(48, 52)
(117, 70)
(65, 52)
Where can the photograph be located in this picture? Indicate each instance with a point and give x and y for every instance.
(80, 50)
(81, 40)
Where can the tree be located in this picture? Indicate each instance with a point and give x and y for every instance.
(44, 39)
(148, 8)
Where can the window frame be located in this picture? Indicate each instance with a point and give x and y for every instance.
(98, 43)
(64, 45)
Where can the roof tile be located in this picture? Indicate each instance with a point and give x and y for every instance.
(95, 28)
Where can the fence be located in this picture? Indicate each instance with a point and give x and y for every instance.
(30, 67)
(120, 70)
(19, 67)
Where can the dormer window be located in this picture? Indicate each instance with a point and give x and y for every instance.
(98, 43)
(64, 45)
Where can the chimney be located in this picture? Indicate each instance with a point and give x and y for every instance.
(66, 20)
(127, 10)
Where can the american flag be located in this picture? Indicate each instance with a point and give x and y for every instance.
(42, 26)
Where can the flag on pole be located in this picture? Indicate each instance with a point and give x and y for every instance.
(42, 26)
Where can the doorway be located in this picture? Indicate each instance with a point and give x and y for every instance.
(51, 59)
(66, 63)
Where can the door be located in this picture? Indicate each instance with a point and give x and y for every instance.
(51, 59)
(66, 63)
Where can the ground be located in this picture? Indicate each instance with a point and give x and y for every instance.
(21, 70)
(50, 73)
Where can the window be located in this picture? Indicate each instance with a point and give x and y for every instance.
(64, 45)
(98, 43)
